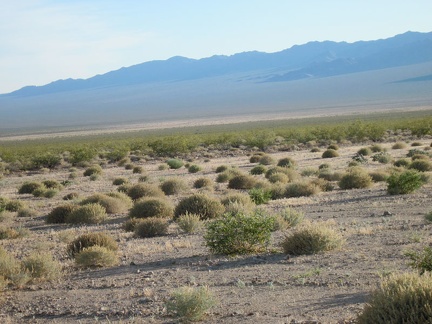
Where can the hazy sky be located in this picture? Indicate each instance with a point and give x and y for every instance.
(46, 40)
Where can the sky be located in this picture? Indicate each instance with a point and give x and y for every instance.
(46, 40)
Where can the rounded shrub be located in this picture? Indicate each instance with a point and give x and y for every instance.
(422, 261)
(421, 165)
(286, 163)
(91, 239)
(239, 233)
(96, 256)
(141, 190)
(292, 174)
(266, 160)
(120, 181)
(255, 158)
(382, 157)
(131, 223)
(173, 186)
(416, 144)
(260, 195)
(151, 227)
(152, 207)
(355, 178)
(301, 189)
(379, 175)
(377, 148)
(190, 223)
(129, 166)
(138, 170)
(41, 267)
(365, 151)
(242, 181)
(258, 169)
(400, 298)
(203, 183)
(29, 187)
(26, 212)
(200, 204)
(14, 205)
(333, 147)
(93, 170)
(278, 177)
(174, 163)
(328, 154)
(419, 157)
(404, 182)
(50, 193)
(52, 184)
(399, 146)
(227, 175)
(236, 197)
(194, 168)
(60, 213)
(87, 214)
(402, 163)
(112, 205)
(312, 238)
(290, 217)
(221, 168)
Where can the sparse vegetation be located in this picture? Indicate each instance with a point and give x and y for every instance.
(96, 256)
(91, 239)
(87, 214)
(150, 227)
(404, 183)
(205, 206)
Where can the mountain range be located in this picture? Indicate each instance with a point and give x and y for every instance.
(389, 72)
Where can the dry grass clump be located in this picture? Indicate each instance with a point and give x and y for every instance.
(266, 160)
(190, 304)
(71, 196)
(416, 144)
(26, 212)
(355, 178)
(399, 146)
(96, 256)
(87, 214)
(29, 187)
(301, 189)
(112, 205)
(152, 207)
(258, 169)
(221, 168)
(91, 239)
(121, 196)
(236, 197)
(379, 175)
(365, 151)
(13, 205)
(194, 168)
(11, 269)
(190, 223)
(138, 170)
(278, 177)
(242, 181)
(226, 175)
(288, 218)
(419, 157)
(401, 298)
(42, 267)
(8, 233)
(290, 173)
(328, 154)
(141, 190)
(52, 184)
(203, 182)
(130, 224)
(256, 157)
(323, 184)
(173, 186)
(120, 181)
(402, 163)
(151, 227)
(93, 170)
(311, 238)
(421, 165)
(205, 206)
(286, 163)
(59, 214)
(377, 148)
(382, 157)
(333, 147)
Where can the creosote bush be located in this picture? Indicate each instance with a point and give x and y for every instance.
(152, 207)
(221, 168)
(401, 298)
(205, 206)
(312, 238)
(190, 304)
(173, 186)
(239, 233)
(138, 170)
(402, 163)
(328, 154)
(52, 184)
(91, 239)
(400, 183)
(87, 214)
(151, 227)
(333, 147)
(355, 178)
(96, 256)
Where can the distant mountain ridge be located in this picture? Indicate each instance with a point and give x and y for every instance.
(311, 60)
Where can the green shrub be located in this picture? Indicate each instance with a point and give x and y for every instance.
(203, 182)
(29, 187)
(236, 197)
(300, 189)
(96, 256)
(41, 267)
(11, 269)
(124, 188)
(52, 184)
(59, 214)
(333, 147)
(258, 169)
(404, 183)
(26, 212)
(242, 181)
(379, 175)
(401, 298)
(421, 165)
(152, 207)
(138, 170)
(278, 177)
(428, 217)
(190, 304)
(91, 239)
(174, 163)
(190, 223)
(286, 163)
(50, 193)
(355, 178)
(87, 214)
(141, 190)
(292, 174)
(173, 186)
(120, 181)
(129, 166)
(419, 157)
(382, 157)
(227, 175)
(266, 160)
(413, 152)
(8, 233)
(151, 227)
(323, 184)
(239, 233)
(194, 168)
(131, 223)
(93, 170)
(422, 261)
(255, 158)
(315, 150)
(399, 146)
(328, 154)
(203, 205)
(14, 205)
(365, 151)
(112, 205)
(221, 168)
(402, 163)
(312, 238)
(39, 192)
(260, 195)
